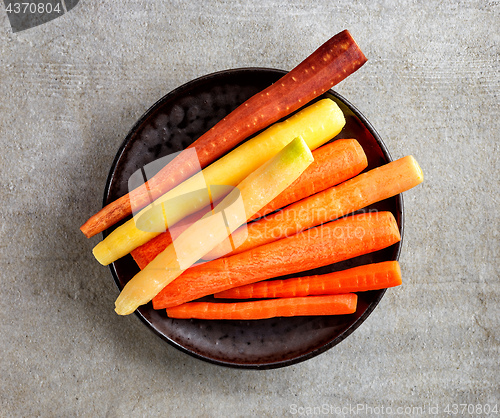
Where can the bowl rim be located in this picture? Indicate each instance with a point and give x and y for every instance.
(276, 364)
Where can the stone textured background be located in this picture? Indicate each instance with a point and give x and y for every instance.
(72, 88)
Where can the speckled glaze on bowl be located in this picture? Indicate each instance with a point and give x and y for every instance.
(173, 123)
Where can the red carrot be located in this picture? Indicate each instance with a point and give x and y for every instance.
(327, 244)
(263, 309)
(363, 190)
(333, 163)
(358, 279)
(328, 65)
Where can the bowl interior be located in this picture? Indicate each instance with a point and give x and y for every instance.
(173, 123)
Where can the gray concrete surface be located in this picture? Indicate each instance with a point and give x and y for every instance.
(73, 87)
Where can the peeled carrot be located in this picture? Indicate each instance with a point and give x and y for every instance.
(328, 65)
(363, 190)
(327, 244)
(263, 309)
(333, 163)
(357, 279)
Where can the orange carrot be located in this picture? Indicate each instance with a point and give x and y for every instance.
(357, 279)
(333, 163)
(363, 190)
(263, 309)
(328, 65)
(327, 244)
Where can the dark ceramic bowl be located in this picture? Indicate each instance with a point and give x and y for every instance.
(173, 123)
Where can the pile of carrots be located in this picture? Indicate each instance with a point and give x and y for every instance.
(306, 226)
